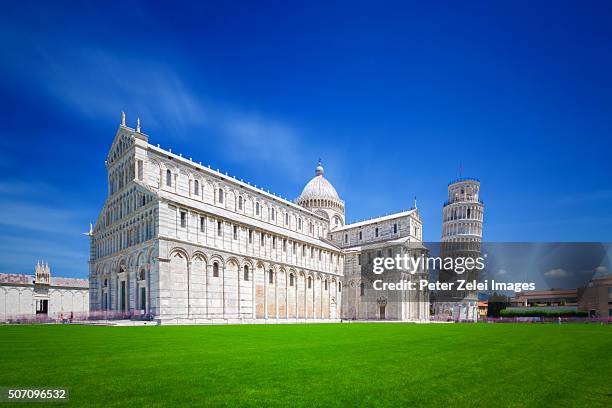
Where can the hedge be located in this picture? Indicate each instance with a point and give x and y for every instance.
(542, 313)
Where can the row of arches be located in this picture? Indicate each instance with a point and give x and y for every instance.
(120, 175)
(463, 212)
(462, 228)
(124, 204)
(236, 199)
(138, 229)
(209, 286)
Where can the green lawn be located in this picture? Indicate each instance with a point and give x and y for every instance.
(441, 365)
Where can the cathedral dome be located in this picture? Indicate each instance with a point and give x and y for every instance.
(319, 187)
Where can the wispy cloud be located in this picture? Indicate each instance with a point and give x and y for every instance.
(40, 218)
(557, 273)
(100, 84)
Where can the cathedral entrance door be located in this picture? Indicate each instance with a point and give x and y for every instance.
(42, 306)
(382, 312)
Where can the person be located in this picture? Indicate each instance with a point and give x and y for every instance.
(559, 319)
(61, 318)
(71, 316)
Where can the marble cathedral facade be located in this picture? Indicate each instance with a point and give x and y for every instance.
(181, 243)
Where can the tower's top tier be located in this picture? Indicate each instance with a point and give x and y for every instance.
(464, 190)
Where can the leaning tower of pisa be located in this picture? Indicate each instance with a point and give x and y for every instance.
(462, 218)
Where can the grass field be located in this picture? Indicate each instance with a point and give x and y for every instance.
(325, 365)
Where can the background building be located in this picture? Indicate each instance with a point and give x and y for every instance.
(26, 297)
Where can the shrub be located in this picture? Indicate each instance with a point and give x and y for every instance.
(541, 313)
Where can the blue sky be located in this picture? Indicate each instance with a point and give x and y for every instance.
(393, 96)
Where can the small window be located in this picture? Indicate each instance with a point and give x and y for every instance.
(273, 242)
(311, 228)
(291, 280)
(389, 252)
(235, 232)
(320, 254)
(140, 170)
(271, 276)
(183, 219)
(361, 289)
(284, 244)
(250, 236)
(220, 196)
(294, 247)
(395, 228)
(311, 252)
(309, 282)
(168, 178)
(339, 286)
(246, 272)
(377, 231)
(272, 214)
(196, 187)
(360, 235)
(216, 269)
(262, 238)
(346, 238)
(202, 224)
(325, 285)
(286, 218)
(257, 209)
(300, 224)
(240, 203)
(219, 228)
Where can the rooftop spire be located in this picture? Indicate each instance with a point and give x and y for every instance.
(319, 170)
(122, 118)
(138, 125)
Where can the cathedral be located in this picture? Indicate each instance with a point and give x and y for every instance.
(181, 243)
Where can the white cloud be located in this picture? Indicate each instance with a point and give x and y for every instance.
(502, 272)
(98, 85)
(557, 273)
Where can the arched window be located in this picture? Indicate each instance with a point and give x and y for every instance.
(141, 275)
(291, 280)
(309, 282)
(105, 283)
(325, 285)
(361, 289)
(216, 269)
(271, 276)
(168, 178)
(196, 187)
(246, 272)
(240, 203)
(220, 196)
(256, 208)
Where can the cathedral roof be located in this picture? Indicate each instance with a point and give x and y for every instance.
(319, 187)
